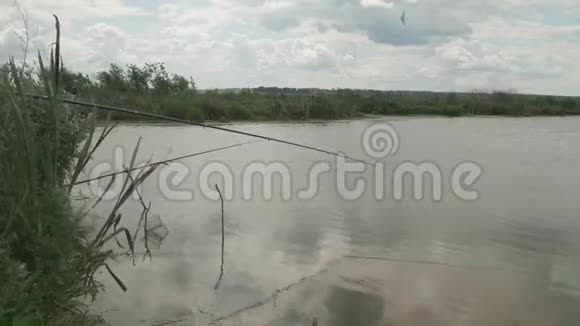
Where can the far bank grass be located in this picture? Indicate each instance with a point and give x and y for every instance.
(249, 107)
(151, 88)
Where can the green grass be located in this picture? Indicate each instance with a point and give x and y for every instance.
(48, 260)
(45, 263)
(150, 88)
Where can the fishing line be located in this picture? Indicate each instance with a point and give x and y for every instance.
(165, 162)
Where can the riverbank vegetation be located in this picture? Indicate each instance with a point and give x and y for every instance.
(48, 259)
(152, 89)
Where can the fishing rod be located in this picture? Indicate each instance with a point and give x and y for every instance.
(164, 162)
(199, 124)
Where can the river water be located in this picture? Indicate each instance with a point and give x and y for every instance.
(511, 257)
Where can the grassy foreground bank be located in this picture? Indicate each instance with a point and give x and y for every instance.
(48, 260)
(46, 265)
(152, 89)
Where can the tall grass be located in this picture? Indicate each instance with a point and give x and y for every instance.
(48, 260)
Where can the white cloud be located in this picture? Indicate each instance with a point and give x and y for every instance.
(81, 9)
(472, 55)
(529, 45)
(498, 28)
(376, 3)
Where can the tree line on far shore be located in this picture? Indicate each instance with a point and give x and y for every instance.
(151, 88)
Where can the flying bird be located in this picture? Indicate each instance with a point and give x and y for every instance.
(404, 18)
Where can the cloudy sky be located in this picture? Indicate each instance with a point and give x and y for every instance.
(532, 46)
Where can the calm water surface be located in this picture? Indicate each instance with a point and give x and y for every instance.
(510, 258)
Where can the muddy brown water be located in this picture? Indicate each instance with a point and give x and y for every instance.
(512, 257)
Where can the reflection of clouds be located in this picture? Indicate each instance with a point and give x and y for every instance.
(237, 289)
(272, 244)
(531, 238)
(379, 293)
(381, 232)
(565, 276)
(348, 307)
(301, 238)
(546, 251)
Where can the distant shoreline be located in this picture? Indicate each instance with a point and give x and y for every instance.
(369, 117)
